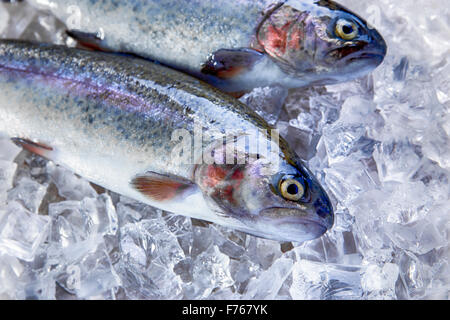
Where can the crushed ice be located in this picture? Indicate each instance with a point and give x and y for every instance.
(379, 145)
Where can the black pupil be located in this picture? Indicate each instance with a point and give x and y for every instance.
(292, 189)
(347, 29)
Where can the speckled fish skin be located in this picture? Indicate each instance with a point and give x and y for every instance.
(111, 120)
(291, 43)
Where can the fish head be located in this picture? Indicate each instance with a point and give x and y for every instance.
(279, 200)
(321, 41)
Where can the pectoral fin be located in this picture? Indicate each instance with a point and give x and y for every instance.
(160, 187)
(228, 63)
(34, 147)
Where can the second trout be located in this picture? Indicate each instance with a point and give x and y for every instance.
(235, 45)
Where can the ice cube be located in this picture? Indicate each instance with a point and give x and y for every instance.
(304, 121)
(69, 185)
(350, 133)
(435, 178)
(88, 271)
(4, 18)
(314, 281)
(231, 249)
(359, 88)
(137, 245)
(413, 275)
(408, 202)
(129, 210)
(168, 283)
(264, 252)
(21, 231)
(39, 288)
(396, 160)
(181, 227)
(368, 222)
(342, 140)
(229, 242)
(379, 281)
(267, 102)
(298, 100)
(184, 269)
(11, 270)
(357, 109)
(19, 19)
(45, 28)
(418, 237)
(7, 171)
(8, 150)
(31, 166)
(329, 248)
(101, 214)
(401, 69)
(347, 179)
(268, 284)
(150, 252)
(202, 239)
(75, 221)
(243, 270)
(437, 146)
(211, 272)
(153, 237)
(69, 226)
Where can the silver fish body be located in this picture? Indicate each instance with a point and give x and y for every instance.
(113, 121)
(235, 45)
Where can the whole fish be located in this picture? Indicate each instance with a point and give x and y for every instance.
(127, 124)
(235, 45)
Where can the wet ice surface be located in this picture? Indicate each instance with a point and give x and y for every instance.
(379, 145)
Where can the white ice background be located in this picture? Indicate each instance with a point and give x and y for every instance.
(379, 145)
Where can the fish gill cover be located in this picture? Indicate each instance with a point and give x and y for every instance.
(379, 145)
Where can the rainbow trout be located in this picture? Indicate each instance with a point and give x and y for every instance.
(129, 125)
(235, 45)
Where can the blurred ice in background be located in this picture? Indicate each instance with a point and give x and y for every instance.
(380, 146)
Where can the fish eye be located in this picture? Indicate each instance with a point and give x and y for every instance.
(291, 189)
(346, 30)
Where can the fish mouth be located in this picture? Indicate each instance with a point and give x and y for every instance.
(358, 52)
(295, 224)
(374, 57)
(355, 54)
